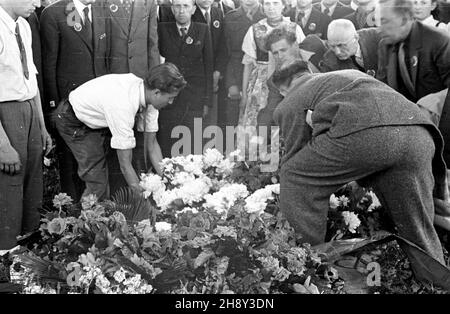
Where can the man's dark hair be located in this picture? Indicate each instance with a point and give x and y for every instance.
(278, 34)
(401, 7)
(286, 74)
(166, 77)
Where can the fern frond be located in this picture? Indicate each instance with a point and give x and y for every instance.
(132, 205)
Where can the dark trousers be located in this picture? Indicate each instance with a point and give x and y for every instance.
(69, 180)
(396, 161)
(89, 147)
(21, 194)
(116, 178)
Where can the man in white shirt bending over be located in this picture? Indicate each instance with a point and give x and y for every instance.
(102, 112)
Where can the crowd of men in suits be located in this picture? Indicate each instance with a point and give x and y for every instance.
(76, 41)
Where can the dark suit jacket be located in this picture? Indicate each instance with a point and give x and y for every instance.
(194, 58)
(369, 22)
(165, 14)
(69, 57)
(133, 44)
(316, 24)
(217, 36)
(33, 20)
(369, 39)
(429, 55)
(339, 12)
(236, 26)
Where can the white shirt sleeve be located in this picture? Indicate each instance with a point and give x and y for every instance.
(121, 123)
(299, 34)
(249, 46)
(151, 120)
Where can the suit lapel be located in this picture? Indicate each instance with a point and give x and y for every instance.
(117, 13)
(173, 31)
(415, 45)
(98, 23)
(77, 28)
(199, 17)
(139, 12)
(392, 65)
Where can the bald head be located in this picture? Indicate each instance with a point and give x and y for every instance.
(342, 38)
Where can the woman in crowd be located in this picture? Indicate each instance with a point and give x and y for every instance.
(422, 13)
(258, 64)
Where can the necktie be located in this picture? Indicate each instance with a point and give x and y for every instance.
(207, 18)
(356, 63)
(300, 17)
(326, 11)
(404, 70)
(216, 4)
(87, 23)
(23, 54)
(183, 32)
(127, 7)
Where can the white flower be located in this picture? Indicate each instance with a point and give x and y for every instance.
(152, 184)
(344, 200)
(47, 162)
(163, 226)
(62, 199)
(185, 210)
(257, 202)
(119, 275)
(225, 198)
(57, 226)
(212, 158)
(375, 201)
(102, 283)
(351, 220)
(88, 201)
(334, 202)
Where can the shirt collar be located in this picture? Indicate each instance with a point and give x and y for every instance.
(358, 52)
(8, 20)
(80, 6)
(307, 12)
(330, 8)
(204, 11)
(180, 27)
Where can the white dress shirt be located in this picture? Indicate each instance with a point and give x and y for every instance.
(304, 18)
(80, 7)
(13, 84)
(332, 8)
(113, 101)
(204, 12)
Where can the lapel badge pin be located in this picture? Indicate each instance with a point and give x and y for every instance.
(216, 24)
(312, 27)
(371, 73)
(113, 7)
(414, 61)
(189, 40)
(77, 27)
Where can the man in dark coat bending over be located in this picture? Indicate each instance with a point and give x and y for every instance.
(342, 126)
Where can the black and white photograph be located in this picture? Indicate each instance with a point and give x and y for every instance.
(225, 153)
